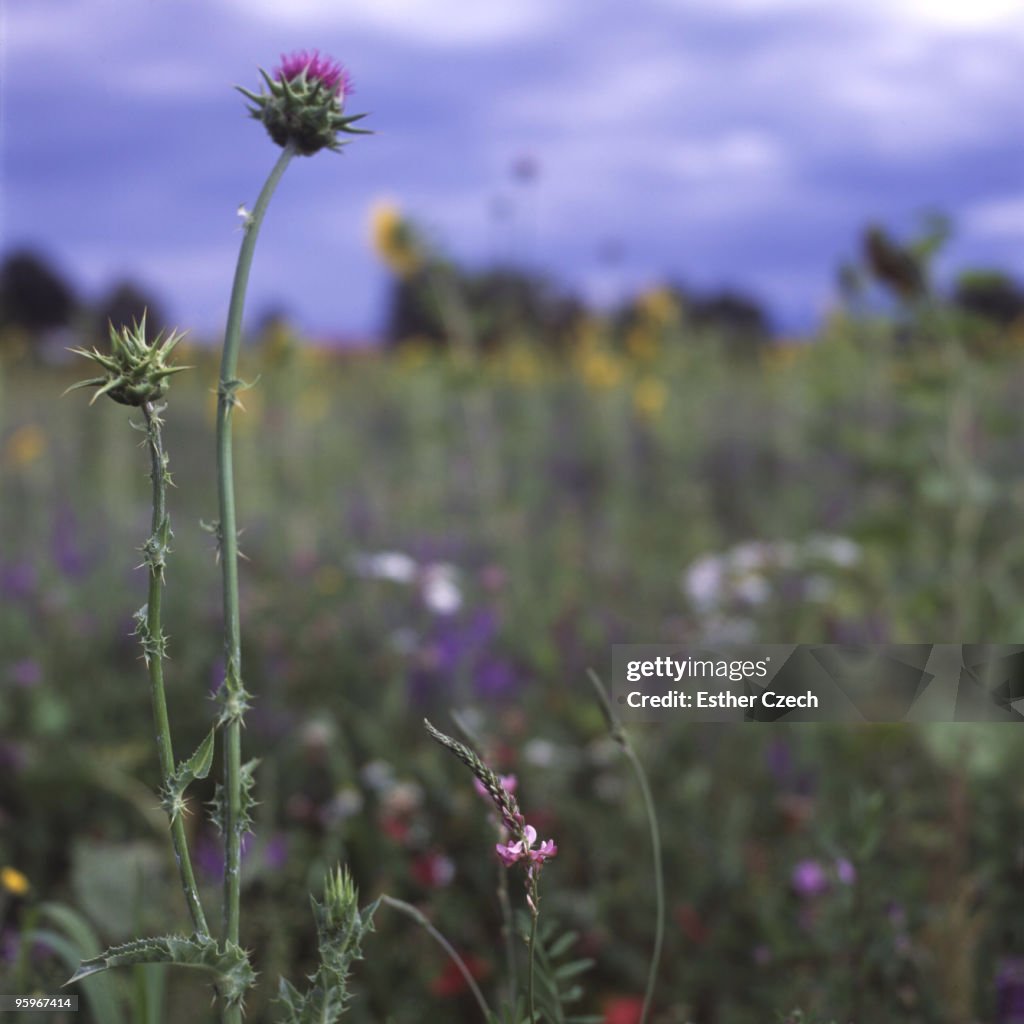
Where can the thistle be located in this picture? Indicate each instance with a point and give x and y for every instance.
(303, 114)
(136, 373)
(305, 102)
(340, 927)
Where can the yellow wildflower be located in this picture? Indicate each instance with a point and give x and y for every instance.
(601, 370)
(14, 881)
(394, 239)
(521, 365)
(25, 445)
(659, 306)
(782, 354)
(649, 397)
(641, 344)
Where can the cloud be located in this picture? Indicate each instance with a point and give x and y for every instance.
(454, 23)
(1002, 217)
(932, 15)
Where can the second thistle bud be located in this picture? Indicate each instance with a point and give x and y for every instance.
(304, 106)
(134, 371)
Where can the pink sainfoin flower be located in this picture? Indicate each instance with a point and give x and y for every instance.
(510, 853)
(332, 75)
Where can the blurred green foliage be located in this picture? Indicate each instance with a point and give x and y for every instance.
(867, 873)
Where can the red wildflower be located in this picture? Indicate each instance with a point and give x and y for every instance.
(623, 1010)
(450, 981)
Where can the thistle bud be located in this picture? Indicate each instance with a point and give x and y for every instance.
(304, 103)
(135, 372)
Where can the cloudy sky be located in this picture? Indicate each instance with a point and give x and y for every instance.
(714, 142)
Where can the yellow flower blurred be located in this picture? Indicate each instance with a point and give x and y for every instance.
(14, 881)
(641, 344)
(783, 353)
(414, 353)
(601, 370)
(394, 239)
(25, 445)
(521, 364)
(659, 306)
(649, 397)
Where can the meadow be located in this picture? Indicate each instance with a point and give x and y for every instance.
(422, 537)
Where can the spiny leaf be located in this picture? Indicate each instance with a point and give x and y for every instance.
(229, 963)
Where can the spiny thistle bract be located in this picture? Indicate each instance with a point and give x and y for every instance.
(136, 372)
(340, 929)
(305, 103)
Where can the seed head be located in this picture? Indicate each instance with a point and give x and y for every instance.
(135, 372)
(304, 103)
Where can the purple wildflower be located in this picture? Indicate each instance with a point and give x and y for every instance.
(845, 871)
(26, 673)
(333, 76)
(809, 878)
(276, 853)
(1010, 991)
(67, 552)
(18, 580)
(778, 757)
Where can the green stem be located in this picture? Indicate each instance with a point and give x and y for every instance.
(410, 911)
(153, 644)
(506, 932)
(659, 878)
(532, 944)
(234, 693)
(619, 734)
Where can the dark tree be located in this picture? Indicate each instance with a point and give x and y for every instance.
(894, 266)
(500, 303)
(990, 295)
(125, 303)
(33, 295)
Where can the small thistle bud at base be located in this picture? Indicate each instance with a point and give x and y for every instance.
(136, 373)
(304, 104)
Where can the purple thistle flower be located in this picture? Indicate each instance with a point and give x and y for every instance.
(333, 76)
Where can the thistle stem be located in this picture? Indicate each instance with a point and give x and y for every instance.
(234, 693)
(619, 734)
(156, 553)
(410, 911)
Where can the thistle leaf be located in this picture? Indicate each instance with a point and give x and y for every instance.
(228, 963)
